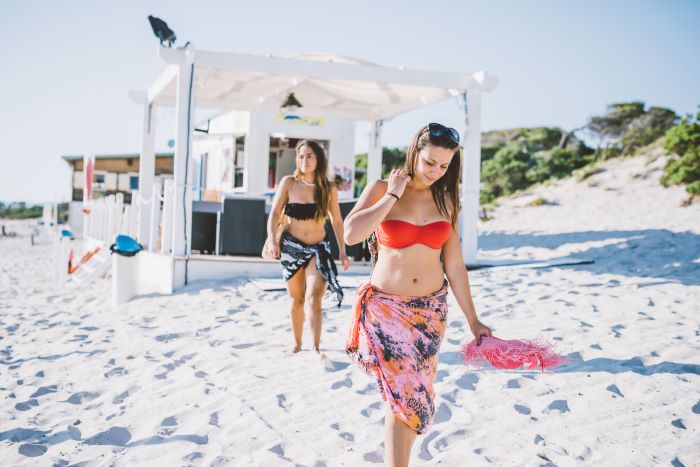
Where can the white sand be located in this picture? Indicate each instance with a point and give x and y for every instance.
(203, 377)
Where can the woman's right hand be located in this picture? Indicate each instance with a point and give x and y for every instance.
(272, 249)
(398, 178)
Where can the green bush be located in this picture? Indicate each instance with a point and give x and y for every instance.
(505, 173)
(683, 140)
(20, 211)
(556, 163)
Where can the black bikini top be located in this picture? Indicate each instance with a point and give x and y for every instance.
(300, 211)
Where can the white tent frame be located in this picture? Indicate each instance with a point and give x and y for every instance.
(180, 70)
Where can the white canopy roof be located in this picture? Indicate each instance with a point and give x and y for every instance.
(327, 85)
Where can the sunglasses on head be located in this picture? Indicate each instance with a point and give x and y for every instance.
(437, 130)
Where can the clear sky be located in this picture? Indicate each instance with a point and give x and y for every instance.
(67, 66)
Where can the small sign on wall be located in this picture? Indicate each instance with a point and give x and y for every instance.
(299, 120)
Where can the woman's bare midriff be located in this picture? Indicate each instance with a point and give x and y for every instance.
(308, 231)
(412, 271)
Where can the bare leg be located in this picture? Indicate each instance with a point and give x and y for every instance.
(315, 287)
(398, 440)
(296, 287)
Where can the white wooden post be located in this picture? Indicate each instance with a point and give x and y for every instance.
(374, 155)
(155, 217)
(166, 228)
(184, 116)
(470, 177)
(88, 177)
(147, 164)
(256, 155)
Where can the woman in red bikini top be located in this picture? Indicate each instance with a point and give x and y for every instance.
(401, 313)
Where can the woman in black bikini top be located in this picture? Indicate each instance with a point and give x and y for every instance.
(302, 203)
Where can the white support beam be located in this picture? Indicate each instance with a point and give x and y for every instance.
(374, 154)
(168, 75)
(256, 155)
(325, 70)
(147, 169)
(470, 177)
(182, 164)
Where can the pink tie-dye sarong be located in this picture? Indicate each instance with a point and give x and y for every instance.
(397, 339)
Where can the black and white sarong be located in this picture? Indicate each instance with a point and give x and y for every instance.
(296, 254)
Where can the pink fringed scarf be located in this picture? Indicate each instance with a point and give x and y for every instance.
(512, 354)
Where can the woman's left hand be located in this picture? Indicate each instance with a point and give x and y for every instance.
(345, 261)
(480, 330)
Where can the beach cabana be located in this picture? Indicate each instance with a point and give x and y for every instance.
(330, 88)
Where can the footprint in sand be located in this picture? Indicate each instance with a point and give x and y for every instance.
(169, 425)
(539, 441)
(214, 419)
(42, 391)
(169, 421)
(596, 346)
(372, 387)
(333, 366)
(115, 436)
(24, 406)
(451, 358)
(616, 330)
(646, 316)
(513, 384)
(445, 442)
(244, 346)
(375, 457)
(32, 450)
(521, 409)
(678, 423)
(347, 436)
(168, 337)
(193, 457)
(120, 398)
(424, 445)
(696, 408)
(80, 397)
(560, 405)
(443, 414)
(467, 381)
(372, 407)
(279, 450)
(347, 382)
(615, 390)
(281, 400)
(119, 371)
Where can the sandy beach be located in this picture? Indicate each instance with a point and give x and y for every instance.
(205, 377)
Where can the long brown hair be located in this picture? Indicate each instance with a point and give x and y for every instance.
(322, 193)
(447, 186)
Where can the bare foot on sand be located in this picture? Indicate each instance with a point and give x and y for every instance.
(296, 348)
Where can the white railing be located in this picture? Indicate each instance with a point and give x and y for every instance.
(107, 217)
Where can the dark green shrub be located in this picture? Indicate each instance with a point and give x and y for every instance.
(683, 140)
(556, 163)
(505, 173)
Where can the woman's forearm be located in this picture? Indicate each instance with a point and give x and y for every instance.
(273, 222)
(361, 224)
(338, 230)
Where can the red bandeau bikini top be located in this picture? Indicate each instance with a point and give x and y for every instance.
(401, 234)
